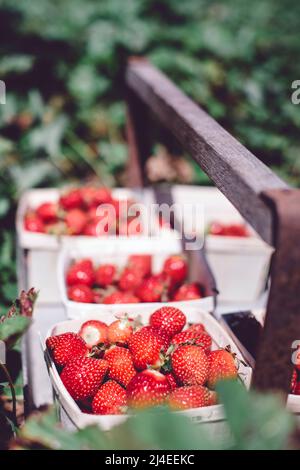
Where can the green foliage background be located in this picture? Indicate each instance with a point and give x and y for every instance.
(63, 64)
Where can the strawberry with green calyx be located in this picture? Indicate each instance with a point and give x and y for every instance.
(222, 366)
(65, 347)
(83, 376)
(194, 396)
(146, 349)
(94, 332)
(169, 319)
(110, 399)
(148, 388)
(121, 368)
(190, 365)
(121, 330)
(193, 337)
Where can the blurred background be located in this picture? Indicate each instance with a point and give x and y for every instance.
(63, 64)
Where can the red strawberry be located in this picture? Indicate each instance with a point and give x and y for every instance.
(170, 319)
(190, 365)
(141, 263)
(65, 347)
(96, 228)
(296, 390)
(175, 267)
(188, 292)
(120, 331)
(105, 275)
(197, 327)
(172, 381)
(71, 200)
(293, 381)
(110, 399)
(81, 272)
(148, 388)
(93, 332)
(146, 348)
(194, 396)
(130, 280)
(47, 212)
(150, 290)
(118, 297)
(221, 366)
(93, 197)
(190, 336)
(81, 293)
(83, 376)
(120, 364)
(75, 220)
(33, 223)
(161, 334)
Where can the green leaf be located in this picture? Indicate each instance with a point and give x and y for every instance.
(12, 328)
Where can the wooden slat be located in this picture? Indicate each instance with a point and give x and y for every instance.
(233, 169)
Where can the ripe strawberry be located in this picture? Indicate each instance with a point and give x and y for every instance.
(150, 290)
(161, 334)
(176, 268)
(172, 381)
(194, 396)
(193, 337)
(71, 199)
(81, 293)
(120, 331)
(47, 212)
(65, 347)
(237, 230)
(130, 280)
(83, 376)
(120, 365)
(148, 388)
(76, 221)
(141, 263)
(81, 272)
(293, 381)
(221, 366)
(190, 365)
(96, 228)
(93, 197)
(170, 319)
(110, 399)
(118, 297)
(197, 327)
(188, 292)
(33, 223)
(94, 332)
(146, 349)
(105, 275)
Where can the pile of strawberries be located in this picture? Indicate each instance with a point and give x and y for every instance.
(228, 230)
(110, 368)
(87, 211)
(134, 283)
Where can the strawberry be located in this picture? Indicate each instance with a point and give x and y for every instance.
(110, 399)
(197, 327)
(76, 221)
(172, 381)
(221, 366)
(120, 365)
(118, 297)
(130, 280)
(170, 319)
(175, 267)
(193, 337)
(296, 390)
(105, 275)
(194, 396)
(81, 293)
(293, 381)
(81, 272)
(96, 228)
(33, 223)
(161, 334)
(94, 332)
(188, 292)
(65, 347)
(190, 365)
(150, 290)
(148, 388)
(120, 331)
(93, 197)
(140, 263)
(232, 230)
(83, 376)
(47, 212)
(71, 200)
(146, 349)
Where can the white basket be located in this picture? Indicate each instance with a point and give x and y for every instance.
(211, 414)
(159, 253)
(42, 249)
